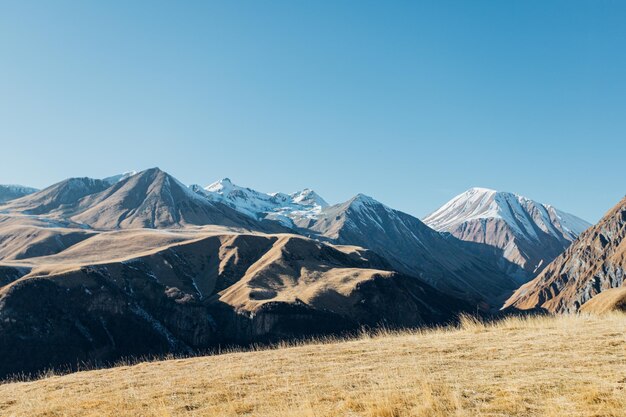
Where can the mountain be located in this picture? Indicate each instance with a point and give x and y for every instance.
(56, 197)
(153, 199)
(148, 199)
(199, 294)
(284, 208)
(527, 233)
(594, 263)
(413, 248)
(11, 192)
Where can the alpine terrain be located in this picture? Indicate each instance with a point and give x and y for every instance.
(526, 233)
(93, 270)
(595, 263)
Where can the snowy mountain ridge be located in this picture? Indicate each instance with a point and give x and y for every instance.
(281, 207)
(523, 215)
(529, 234)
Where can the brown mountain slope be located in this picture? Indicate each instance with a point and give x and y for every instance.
(148, 199)
(21, 242)
(538, 366)
(56, 197)
(190, 296)
(608, 300)
(592, 264)
(154, 199)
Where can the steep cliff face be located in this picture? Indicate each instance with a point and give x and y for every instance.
(223, 289)
(592, 264)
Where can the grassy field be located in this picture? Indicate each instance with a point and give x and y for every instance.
(541, 366)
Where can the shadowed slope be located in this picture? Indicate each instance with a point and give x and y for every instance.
(199, 294)
(12, 192)
(525, 367)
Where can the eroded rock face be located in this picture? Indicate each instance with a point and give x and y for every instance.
(594, 263)
(230, 289)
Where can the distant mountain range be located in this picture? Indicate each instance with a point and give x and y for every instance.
(11, 192)
(186, 268)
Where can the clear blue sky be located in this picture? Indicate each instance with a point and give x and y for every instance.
(410, 102)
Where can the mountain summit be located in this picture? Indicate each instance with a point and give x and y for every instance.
(529, 234)
(284, 208)
(152, 199)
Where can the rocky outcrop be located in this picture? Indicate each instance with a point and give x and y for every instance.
(594, 263)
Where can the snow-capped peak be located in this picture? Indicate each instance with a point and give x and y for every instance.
(222, 185)
(308, 197)
(523, 215)
(277, 206)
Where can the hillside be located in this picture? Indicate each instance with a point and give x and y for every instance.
(539, 366)
(196, 292)
(608, 300)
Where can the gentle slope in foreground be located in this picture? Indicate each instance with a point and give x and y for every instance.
(538, 366)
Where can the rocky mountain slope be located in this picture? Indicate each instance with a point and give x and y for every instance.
(149, 199)
(12, 192)
(462, 269)
(195, 295)
(152, 199)
(526, 233)
(58, 197)
(413, 248)
(594, 263)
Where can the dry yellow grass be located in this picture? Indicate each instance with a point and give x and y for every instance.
(540, 366)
